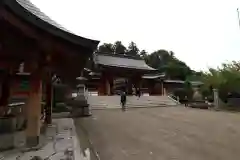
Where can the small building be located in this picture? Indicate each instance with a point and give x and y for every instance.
(157, 84)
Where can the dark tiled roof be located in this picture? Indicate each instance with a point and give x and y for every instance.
(153, 76)
(173, 81)
(194, 83)
(122, 62)
(29, 12)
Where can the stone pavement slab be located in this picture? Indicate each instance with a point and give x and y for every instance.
(59, 143)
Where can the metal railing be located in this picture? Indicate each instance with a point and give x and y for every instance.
(174, 98)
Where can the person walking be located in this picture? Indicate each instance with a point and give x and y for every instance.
(123, 101)
(186, 101)
(138, 92)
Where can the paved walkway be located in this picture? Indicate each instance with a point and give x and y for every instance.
(173, 133)
(59, 143)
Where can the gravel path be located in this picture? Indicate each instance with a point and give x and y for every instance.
(173, 133)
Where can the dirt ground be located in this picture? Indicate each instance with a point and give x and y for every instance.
(165, 133)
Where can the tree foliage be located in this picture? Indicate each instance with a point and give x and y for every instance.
(106, 48)
(143, 54)
(166, 62)
(226, 79)
(133, 49)
(119, 48)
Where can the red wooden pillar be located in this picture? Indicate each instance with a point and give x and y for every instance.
(49, 102)
(5, 93)
(109, 85)
(162, 88)
(34, 111)
(102, 86)
(138, 82)
(151, 87)
(48, 96)
(129, 86)
(140, 85)
(158, 88)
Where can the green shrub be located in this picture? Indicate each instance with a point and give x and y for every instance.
(60, 107)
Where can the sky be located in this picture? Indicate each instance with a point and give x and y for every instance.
(202, 33)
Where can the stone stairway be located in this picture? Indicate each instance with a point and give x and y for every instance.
(105, 102)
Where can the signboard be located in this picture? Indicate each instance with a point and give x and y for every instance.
(24, 85)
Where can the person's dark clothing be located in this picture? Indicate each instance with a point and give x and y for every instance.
(123, 100)
(138, 93)
(123, 97)
(186, 101)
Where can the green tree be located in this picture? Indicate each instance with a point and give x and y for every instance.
(226, 79)
(132, 49)
(157, 59)
(106, 48)
(172, 54)
(143, 54)
(166, 62)
(119, 48)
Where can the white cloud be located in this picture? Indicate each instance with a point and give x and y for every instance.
(201, 33)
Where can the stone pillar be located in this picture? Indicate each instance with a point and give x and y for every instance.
(34, 111)
(215, 98)
(164, 91)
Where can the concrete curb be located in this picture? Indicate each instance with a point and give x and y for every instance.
(76, 144)
(90, 142)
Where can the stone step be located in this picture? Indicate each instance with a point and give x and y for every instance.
(130, 102)
(103, 102)
(132, 106)
(135, 103)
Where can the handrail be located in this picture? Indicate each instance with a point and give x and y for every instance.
(174, 98)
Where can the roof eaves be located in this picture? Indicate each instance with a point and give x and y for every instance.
(28, 16)
(118, 55)
(97, 57)
(129, 67)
